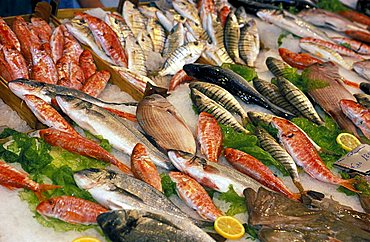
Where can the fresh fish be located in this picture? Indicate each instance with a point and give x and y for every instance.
(298, 60)
(196, 30)
(136, 56)
(209, 136)
(77, 144)
(177, 79)
(185, 54)
(7, 36)
(359, 35)
(42, 29)
(57, 43)
(355, 16)
(175, 39)
(140, 225)
(255, 169)
(232, 37)
(119, 132)
(11, 178)
(325, 53)
(119, 26)
(271, 92)
(96, 83)
(15, 61)
(145, 42)
(195, 196)
(133, 18)
(205, 104)
(358, 114)
(338, 48)
(221, 96)
(234, 83)
(47, 115)
(47, 92)
(70, 73)
(269, 144)
(304, 154)
(157, 34)
(291, 23)
(5, 69)
(165, 22)
(143, 167)
(298, 99)
(328, 97)
(87, 64)
(277, 67)
(148, 11)
(71, 209)
(187, 10)
(43, 69)
(72, 48)
(161, 121)
(138, 81)
(363, 99)
(242, 16)
(210, 174)
(355, 45)
(363, 68)
(249, 44)
(83, 34)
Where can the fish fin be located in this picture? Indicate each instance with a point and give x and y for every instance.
(40, 196)
(128, 116)
(151, 89)
(46, 187)
(349, 184)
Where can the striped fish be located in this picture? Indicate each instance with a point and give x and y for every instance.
(231, 37)
(249, 44)
(157, 34)
(136, 57)
(277, 67)
(175, 39)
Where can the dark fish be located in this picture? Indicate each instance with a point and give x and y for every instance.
(365, 87)
(363, 99)
(235, 84)
(277, 67)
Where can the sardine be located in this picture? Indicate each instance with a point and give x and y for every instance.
(136, 56)
(133, 18)
(358, 114)
(232, 37)
(119, 132)
(221, 96)
(249, 44)
(363, 68)
(234, 83)
(157, 34)
(298, 99)
(363, 99)
(205, 104)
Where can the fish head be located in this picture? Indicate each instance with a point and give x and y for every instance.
(284, 127)
(67, 103)
(89, 178)
(47, 207)
(21, 87)
(193, 69)
(258, 118)
(181, 160)
(178, 177)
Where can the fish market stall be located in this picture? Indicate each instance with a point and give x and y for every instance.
(186, 121)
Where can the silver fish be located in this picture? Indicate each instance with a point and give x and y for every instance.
(156, 33)
(205, 104)
(148, 12)
(133, 18)
(232, 37)
(187, 10)
(249, 44)
(119, 132)
(175, 39)
(136, 57)
(165, 22)
(362, 68)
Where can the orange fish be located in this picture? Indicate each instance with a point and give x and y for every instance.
(72, 47)
(363, 36)
(143, 167)
(305, 155)
(195, 196)
(358, 114)
(87, 64)
(70, 209)
(128, 116)
(209, 135)
(57, 43)
(96, 83)
(179, 78)
(80, 145)
(12, 178)
(16, 62)
(7, 36)
(299, 61)
(70, 73)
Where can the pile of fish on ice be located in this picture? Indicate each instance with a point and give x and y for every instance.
(130, 203)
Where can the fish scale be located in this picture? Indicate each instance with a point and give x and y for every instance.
(232, 37)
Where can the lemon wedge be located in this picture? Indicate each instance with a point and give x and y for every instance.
(229, 227)
(86, 239)
(347, 141)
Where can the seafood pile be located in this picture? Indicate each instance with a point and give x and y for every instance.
(203, 133)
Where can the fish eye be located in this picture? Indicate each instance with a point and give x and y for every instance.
(51, 202)
(196, 43)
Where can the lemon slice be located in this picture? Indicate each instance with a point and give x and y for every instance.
(347, 141)
(86, 239)
(229, 227)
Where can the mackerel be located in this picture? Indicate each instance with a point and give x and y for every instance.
(232, 37)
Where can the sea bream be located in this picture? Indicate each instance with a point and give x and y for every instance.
(232, 37)
(133, 18)
(119, 132)
(249, 44)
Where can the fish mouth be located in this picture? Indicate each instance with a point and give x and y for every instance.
(20, 88)
(85, 178)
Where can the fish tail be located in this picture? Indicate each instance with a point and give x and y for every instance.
(298, 184)
(43, 188)
(349, 184)
(123, 168)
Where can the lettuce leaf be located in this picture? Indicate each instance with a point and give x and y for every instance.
(168, 186)
(237, 203)
(104, 143)
(246, 72)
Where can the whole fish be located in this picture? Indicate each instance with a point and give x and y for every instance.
(162, 122)
(362, 68)
(106, 38)
(271, 92)
(363, 99)
(133, 18)
(304, 154)
(355, 45)
(232, 37)
(177, 79)
(358, 114)
(21, 87)
(325, 53)
(136, 56)
(72, 48)
(119, 132)
(96, 83)
(138, 81)
(210, 174)
(338, 48)
(165, 22)
(47, 115)
(148, 11)
(329, 97)
(278, 67)
(145, 42)
(221, 96)
(269, 144)
(80, 145)
(15, 61)
(234, 83)
(291, 23)
(140, 225)
(209, 136)
(43, 69)
(195, 196)
(297, 60)
(175, 39)
(157, 34)
(241, 15)
(255, 169)
(143, 168)
(70, 73)
(42, 28)
(7, 36)
(71, 209)
(205, 104)
(187, 10)
(355, 16)
(119, 26)
(298, 99)
(5, 69)
(249, 44)
(185, 54)
(11, 178)
(87, 64)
